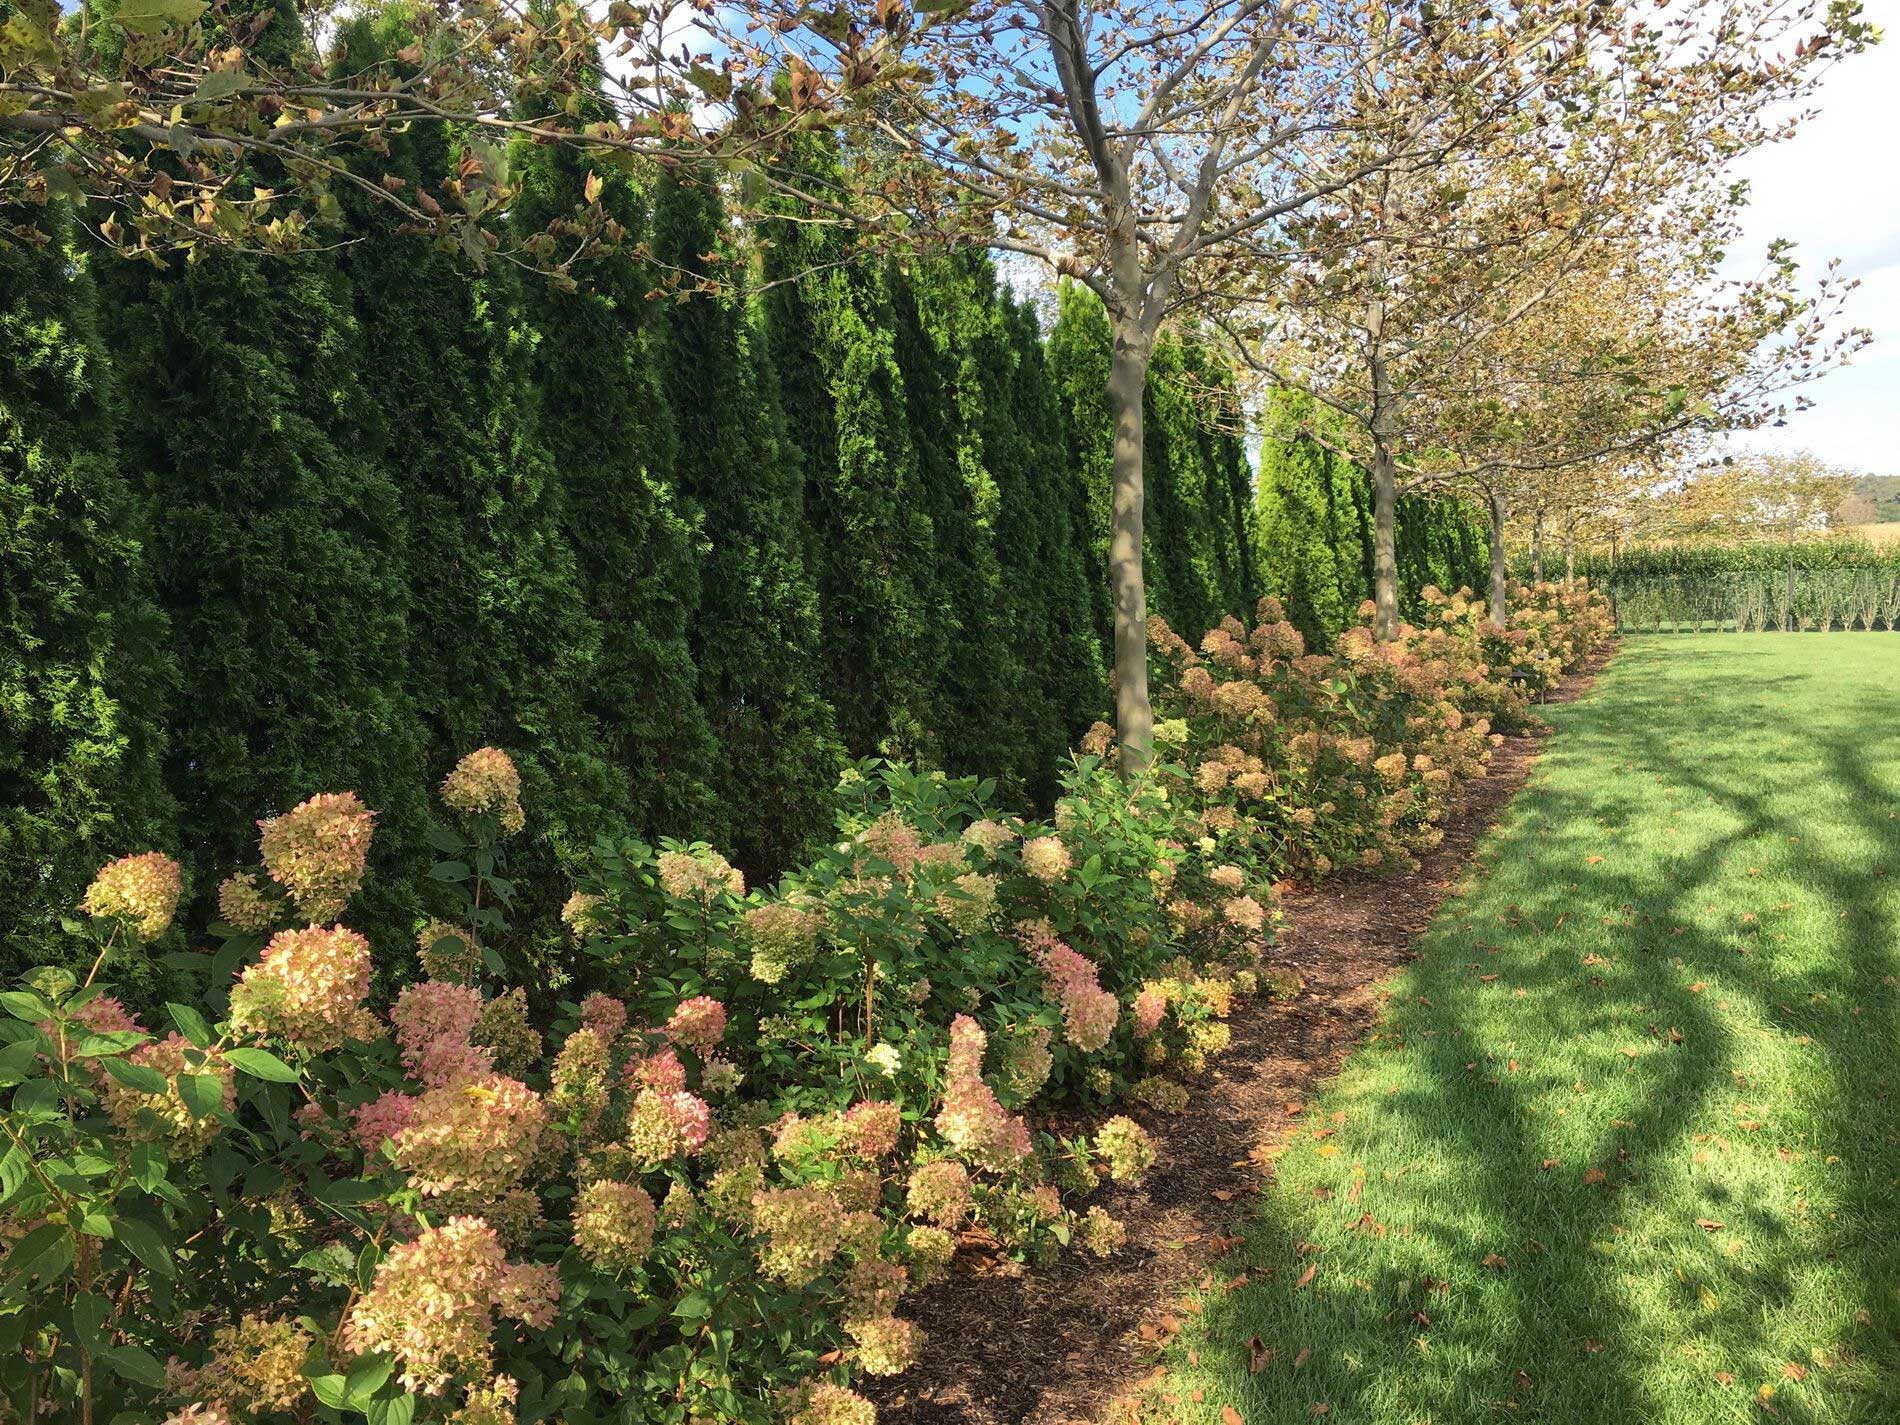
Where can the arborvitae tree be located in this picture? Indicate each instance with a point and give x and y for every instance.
(1079, 359)
(755, 638)
(606, 424)
(283, 561)
(830, 329)
(1305, 555)
(85, 680)
(943, 308)
(1042, 543)
(501, 644)
(1315, 530)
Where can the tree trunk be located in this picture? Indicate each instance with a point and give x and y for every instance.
(1537, 548)
(1385, 555)
(1500, 575)
(1570, 555)
(1134, 714)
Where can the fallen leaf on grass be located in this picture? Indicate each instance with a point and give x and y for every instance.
(1594, 861)
(1495, 1262)
(1593, 1176)
(1302, 1358)
(1548, 1164)
(1306, 1276)
(1724, 1378)
(1259, 1355)
(1320, 1407)
(1709, 1224)
(1795, 1372)
(1231, 1416)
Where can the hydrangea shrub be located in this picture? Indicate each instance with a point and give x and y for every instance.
(696, 1179)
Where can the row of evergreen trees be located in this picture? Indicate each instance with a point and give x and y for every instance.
(1315, 530)
(273, 527)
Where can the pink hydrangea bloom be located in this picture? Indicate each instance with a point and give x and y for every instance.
(663, 1126)
(477, 1136)
(971, 1118)
(1149, 1008)
(660, 1070)
(432, 1303)
(317, 852)
(871, 1128)
(382, 1118)
(433, 1021)
(1089, 1012)
(605, 1015)
(308, 989)
(699, 1023)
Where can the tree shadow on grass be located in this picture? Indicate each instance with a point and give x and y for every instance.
(1569, 1119)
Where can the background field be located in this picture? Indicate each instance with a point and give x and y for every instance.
(1625, 1150)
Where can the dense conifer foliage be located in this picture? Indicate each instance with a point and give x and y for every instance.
(1315, 530)
(276, 526)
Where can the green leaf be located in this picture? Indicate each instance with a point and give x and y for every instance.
(17, 1061)
(203, 1094)
(219, 84)
(24, 1004)
(329, 1389)
(443, 838)
(392, 1410)
(136, 1364)
(136, 1077)
(367, 1376)
(262, 1064)
(449, 871)
(13, 1171)
(90, 1314)
(149, 17)
(143, 1241)
(191, 1024)
(45, 1252)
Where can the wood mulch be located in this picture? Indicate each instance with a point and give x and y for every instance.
(1060, 1346)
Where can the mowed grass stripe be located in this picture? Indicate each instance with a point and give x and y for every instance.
(1626, 1148)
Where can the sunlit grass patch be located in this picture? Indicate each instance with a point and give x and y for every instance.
(1626, 1147)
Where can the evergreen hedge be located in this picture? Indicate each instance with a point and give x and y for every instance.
(277, 527)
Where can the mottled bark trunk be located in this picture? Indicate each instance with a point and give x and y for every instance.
(1134, 714)
(1500, 574)
(1570, 554)
(1385, 551)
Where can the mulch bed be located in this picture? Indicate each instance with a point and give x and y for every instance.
(1058, 1346)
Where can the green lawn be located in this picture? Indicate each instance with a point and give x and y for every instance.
(1626, 1148)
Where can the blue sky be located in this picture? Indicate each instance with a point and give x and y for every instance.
(1834, 189)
